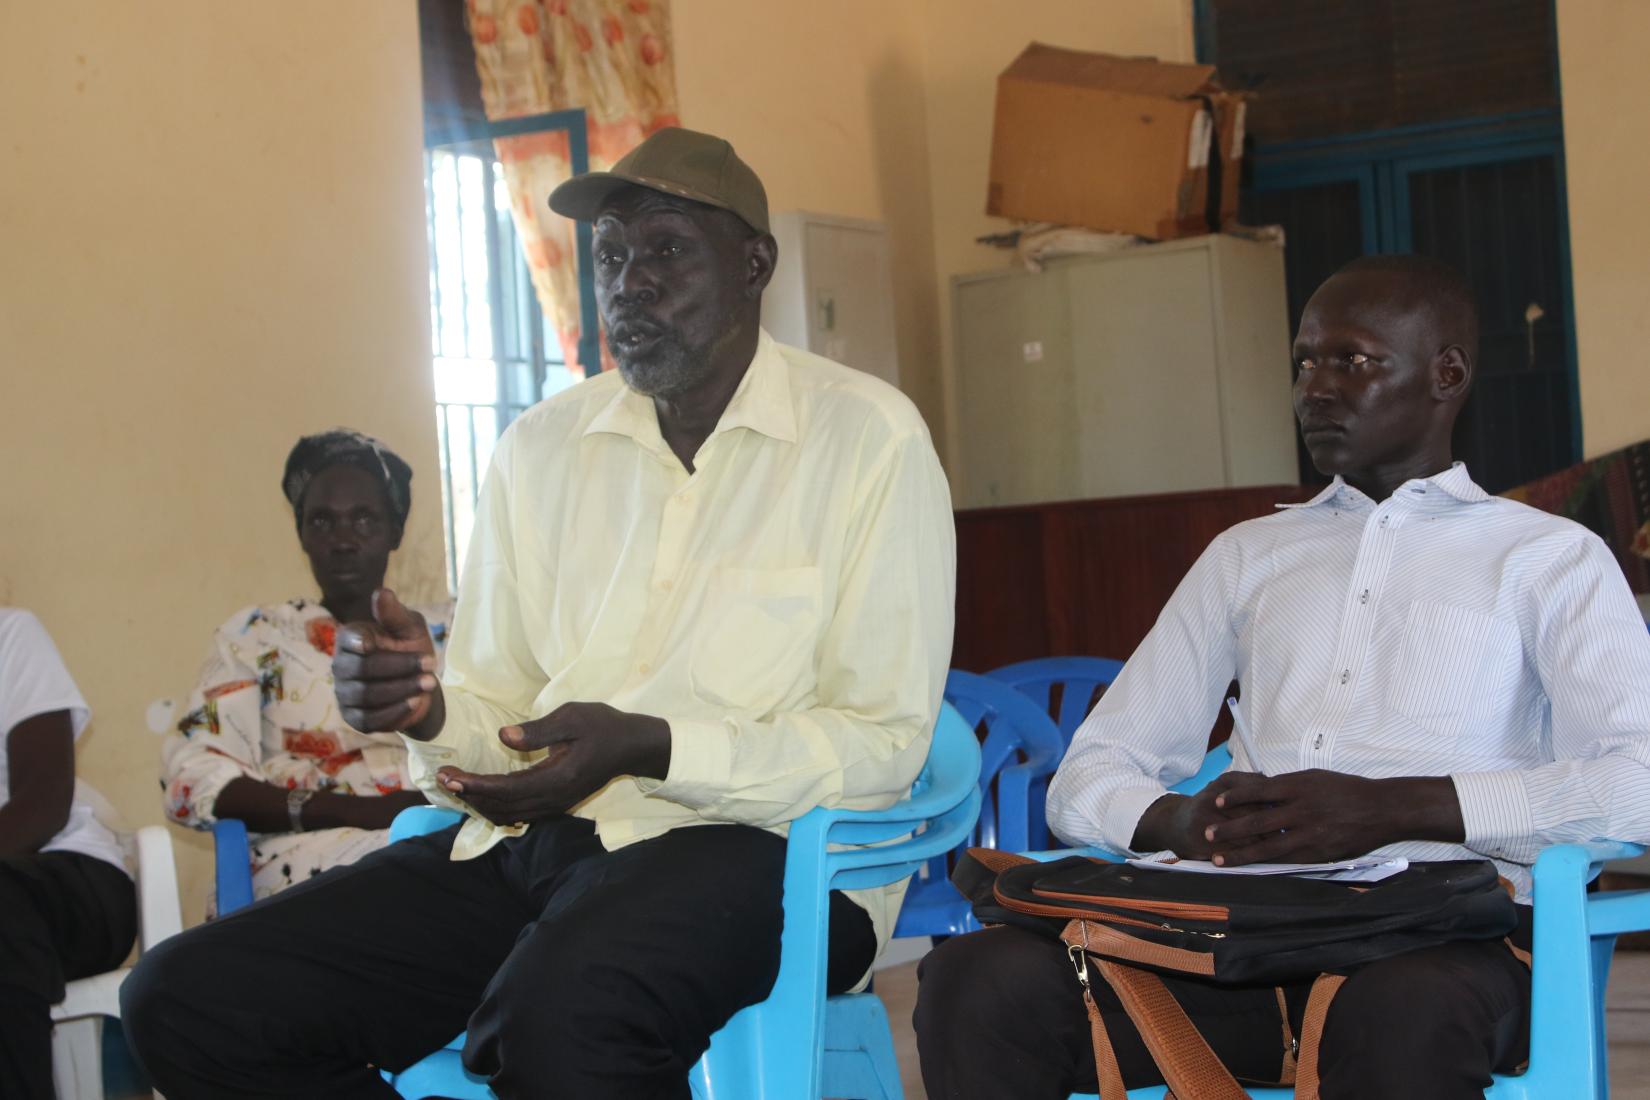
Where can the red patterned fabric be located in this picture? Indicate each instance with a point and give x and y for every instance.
(611, 57)
(1609, 495)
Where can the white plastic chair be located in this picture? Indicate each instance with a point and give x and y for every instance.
(77, 1032)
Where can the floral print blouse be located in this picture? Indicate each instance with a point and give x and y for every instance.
(264, 709)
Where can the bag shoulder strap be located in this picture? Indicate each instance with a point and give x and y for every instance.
(1323, 992)
(1105, 1057)
(1189, 1066)
(1102, 939)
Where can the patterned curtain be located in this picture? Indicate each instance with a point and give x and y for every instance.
(611, 57)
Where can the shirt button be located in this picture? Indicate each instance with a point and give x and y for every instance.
(1346, 674)
(1384, 519)
(644, 668)
(1363, 597)
(667, 584)
(1317, 742)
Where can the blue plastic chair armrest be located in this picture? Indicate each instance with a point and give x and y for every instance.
(943, 791)
(232, 854)
(938, 815)
(1215, 762)
(1612, 912)
(1062, 853)
(418, 820)
(890, 832)
(1616, 912)
(1566, 986)
(1598, 851)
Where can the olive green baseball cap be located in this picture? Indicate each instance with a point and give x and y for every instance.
(673, 161)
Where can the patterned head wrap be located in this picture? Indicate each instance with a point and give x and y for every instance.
(343, 447)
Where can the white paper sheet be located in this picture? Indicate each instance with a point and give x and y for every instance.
(1346, 870)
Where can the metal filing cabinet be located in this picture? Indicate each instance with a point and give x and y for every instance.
(1149, 370)
(833, 292)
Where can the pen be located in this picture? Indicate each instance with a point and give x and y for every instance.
(1240, 733)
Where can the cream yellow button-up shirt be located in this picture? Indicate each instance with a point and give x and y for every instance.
(787, 607)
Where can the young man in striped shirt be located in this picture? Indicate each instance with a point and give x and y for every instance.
(1427, 671)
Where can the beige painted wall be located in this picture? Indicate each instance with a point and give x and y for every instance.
(968, 43)
(213, 227)
(827, 103)
(1601, 56)
(883, 110)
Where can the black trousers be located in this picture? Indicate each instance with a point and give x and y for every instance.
(999, 1013)
(577, 972)
(63, 916)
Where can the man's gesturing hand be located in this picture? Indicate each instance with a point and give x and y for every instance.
(1318, 816)
(589, 745)
(383, 672)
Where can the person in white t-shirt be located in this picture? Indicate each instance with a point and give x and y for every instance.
(67, 905)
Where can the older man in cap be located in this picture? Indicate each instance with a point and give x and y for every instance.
(704, 596)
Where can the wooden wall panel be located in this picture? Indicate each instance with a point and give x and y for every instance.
(1083, 577)
(1001, 586)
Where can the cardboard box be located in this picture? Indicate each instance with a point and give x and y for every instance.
(1120, 144)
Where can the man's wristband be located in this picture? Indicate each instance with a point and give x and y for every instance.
(295, 800)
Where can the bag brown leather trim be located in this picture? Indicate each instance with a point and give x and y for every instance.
(1100, 939)
(1182, 909)
(1317, 1011)
(1189, 1066)
(1286, 1074)
(1105, 1057)
(993, 860)
(1067, 913)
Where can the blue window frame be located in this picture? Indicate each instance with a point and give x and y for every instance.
(1375, 178)
(1486, 193)
(494, 353)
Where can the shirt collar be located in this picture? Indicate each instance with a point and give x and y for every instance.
(762, 403)
(1459, 484)
(1454, 482)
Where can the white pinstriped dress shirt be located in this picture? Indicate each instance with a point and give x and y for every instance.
(1439, 632)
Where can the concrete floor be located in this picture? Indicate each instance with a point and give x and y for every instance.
(1629, 1024)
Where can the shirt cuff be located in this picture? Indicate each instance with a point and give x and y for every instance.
(1122, 816)
(701, 765)
(1495, 808)
(423, 758)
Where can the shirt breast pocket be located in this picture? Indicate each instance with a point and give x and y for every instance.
(755, 645)
(1451, 668)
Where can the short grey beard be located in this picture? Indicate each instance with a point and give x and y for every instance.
(669, 370)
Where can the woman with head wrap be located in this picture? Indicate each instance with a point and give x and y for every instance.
(263, 740)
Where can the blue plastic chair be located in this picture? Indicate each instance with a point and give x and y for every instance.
(232, 858)
(1065, 688)
(1575, 937)
(798, 1043)
(1075, 679)
(1019, 752)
